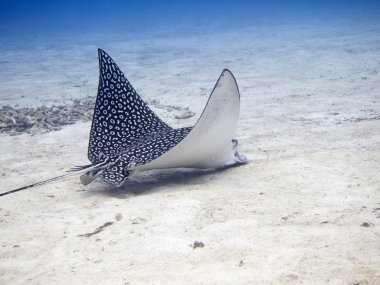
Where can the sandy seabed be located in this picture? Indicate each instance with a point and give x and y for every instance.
(305, 210)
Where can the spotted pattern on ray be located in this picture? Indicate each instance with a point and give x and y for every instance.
(124, 129)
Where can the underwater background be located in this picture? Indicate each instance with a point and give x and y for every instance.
(22, 18)
(49, 48)
(304, 210)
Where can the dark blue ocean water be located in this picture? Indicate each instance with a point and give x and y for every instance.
(45, 18)
(49, 47)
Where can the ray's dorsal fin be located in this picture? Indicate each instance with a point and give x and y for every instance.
(209, 144)
(121, 117)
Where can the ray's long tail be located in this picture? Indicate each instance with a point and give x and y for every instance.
(97, 168)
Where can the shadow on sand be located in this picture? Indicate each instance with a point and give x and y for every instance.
(149, 182)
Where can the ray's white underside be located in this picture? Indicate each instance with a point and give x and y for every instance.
(209, 144)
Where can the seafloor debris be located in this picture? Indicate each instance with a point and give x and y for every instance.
(118, 217)
(98, 230)
(198, 244)
(367, 225)
(14, 121)
(43, 119)
(185, 114)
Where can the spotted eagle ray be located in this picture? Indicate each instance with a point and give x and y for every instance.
(127, 136)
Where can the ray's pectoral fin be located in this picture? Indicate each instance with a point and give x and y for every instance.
(121, 122)
(210, 142)
(115, 177)
(111, 177)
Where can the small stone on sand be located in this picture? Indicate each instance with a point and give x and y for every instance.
(185, 114)
(198, 244)
(118, 217)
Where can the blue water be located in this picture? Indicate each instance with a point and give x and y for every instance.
(49, 47)
(46, 18)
